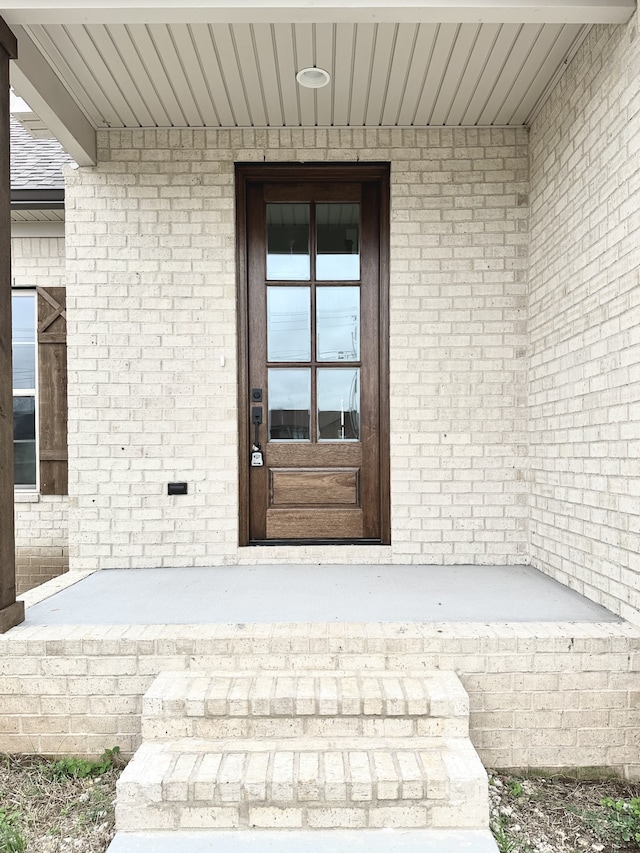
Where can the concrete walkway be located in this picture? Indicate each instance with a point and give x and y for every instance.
(254, 594)
(335, 841)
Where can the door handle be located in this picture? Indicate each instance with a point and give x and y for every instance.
(256, 420)
(257, 459)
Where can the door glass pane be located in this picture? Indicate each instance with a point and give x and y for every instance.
(288, 256)
(289, 323)
(338, 404)
(289, 404)
(338, 323)
(338, 235)
(24, 366)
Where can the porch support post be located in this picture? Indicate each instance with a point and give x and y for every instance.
(11, 611)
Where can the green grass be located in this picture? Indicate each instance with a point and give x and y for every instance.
(11, 840)
(623, 818)
(500, 829)
(80, 768)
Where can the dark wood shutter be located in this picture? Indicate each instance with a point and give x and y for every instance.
(52, 390)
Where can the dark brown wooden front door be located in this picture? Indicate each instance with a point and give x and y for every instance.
(313, 400)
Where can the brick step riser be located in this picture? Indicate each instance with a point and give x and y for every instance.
(326, 694)
(161, 789)
(464, 813)
(303, 792)
(165, 728)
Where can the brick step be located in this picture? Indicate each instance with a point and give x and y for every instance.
(304, 784)
(276, 704)
(292, 841)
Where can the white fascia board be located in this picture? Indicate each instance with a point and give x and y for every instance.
(318, 11)
(34, 80)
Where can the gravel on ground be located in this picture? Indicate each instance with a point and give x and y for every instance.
(550, 815)
(67, 806)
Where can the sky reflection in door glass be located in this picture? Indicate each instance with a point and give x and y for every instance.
(289, 323)
(338, 323)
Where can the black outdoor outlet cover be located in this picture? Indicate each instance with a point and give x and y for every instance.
(177, 489)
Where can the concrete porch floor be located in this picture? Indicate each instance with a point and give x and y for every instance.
(552, 678)
(306, 593)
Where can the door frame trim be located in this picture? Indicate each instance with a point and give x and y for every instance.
(246, 173)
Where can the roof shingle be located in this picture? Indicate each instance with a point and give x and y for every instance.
(36, 164)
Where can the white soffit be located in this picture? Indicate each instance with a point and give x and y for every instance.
(37, 223)
(86, 65)
(243, 75)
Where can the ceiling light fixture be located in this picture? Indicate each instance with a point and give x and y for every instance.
(313, 78)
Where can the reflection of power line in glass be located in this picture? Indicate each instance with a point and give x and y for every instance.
(21, 374)
(338, 333)
(288, 355)
(22, 334)
(289, 338)
(282, 319)
(24, 369)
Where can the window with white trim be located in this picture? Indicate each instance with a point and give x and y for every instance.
(25, 383)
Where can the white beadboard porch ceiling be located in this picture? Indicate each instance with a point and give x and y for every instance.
(90, 64)
(243, 75)
(37, 215)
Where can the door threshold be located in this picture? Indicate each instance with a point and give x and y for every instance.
(267, 542)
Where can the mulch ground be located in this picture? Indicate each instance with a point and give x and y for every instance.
(544, 815)
(44, 811)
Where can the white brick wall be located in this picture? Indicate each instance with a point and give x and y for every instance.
(557, 697)
(41, 522)
(152, 344)
(585, 324)
(37, 261)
